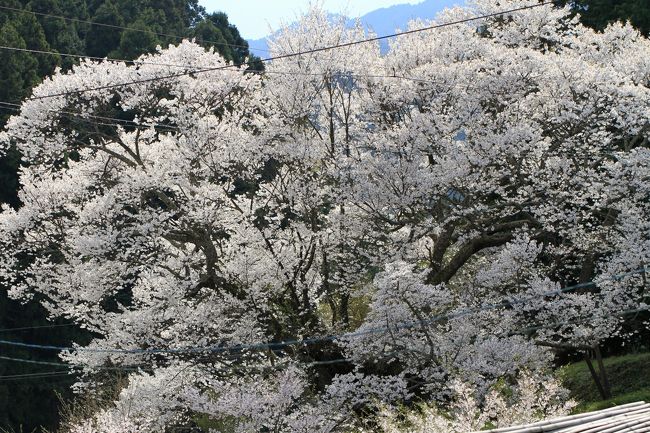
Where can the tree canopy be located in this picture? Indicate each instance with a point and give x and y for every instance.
(289, 251)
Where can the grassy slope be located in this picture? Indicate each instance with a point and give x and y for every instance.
(629, 376)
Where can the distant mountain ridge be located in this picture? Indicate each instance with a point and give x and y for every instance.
(385, 20)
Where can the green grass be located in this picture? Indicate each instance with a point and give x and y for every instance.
(629, 376)
(630, 397)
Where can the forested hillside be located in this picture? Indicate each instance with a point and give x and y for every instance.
(131, 28)
(599, 13)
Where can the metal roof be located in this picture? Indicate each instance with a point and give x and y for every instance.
(628, 418)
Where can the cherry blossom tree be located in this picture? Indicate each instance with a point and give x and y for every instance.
(426, 206)
(529, 400)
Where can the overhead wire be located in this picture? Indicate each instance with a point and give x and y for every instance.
(114, 26)
(530, 329)
(328, 338)
(62, 364)
(193, 67)
(291, 55)
(262, 367)
(117, 122)
(140, 125)
(81, 56)
(249, 368)
(521, 331)
(42, 375)
(436, 319)
(84, 117)
(59, 373)
(28, 328)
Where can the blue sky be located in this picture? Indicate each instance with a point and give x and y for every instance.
(253, 17)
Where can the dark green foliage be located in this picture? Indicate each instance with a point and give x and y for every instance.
(216, 28)
(101, 40)
(599, 13)
(62, 35)
(137, 41)
(31, 403)
(207, 31)
(19, 71)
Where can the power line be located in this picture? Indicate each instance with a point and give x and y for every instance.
(42, 374)
(435, 319)
(61, 364)
(31, 361)
(50, 375)
(289, 73)
(138, 125)
(130, 123)
(62, 373)
(113, 26)
(528, 330)
(328, 338)
(83, 117)
(26, 328)
(80, 56)
(523, 331)
(291, 55)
